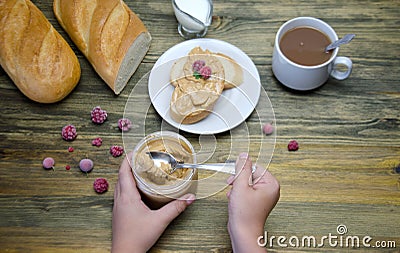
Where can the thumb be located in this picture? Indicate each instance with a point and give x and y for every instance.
(172, 210)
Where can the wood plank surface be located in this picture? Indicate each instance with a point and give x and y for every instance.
(343, 173)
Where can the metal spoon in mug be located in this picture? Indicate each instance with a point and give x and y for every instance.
(346, 39)
(163, 157)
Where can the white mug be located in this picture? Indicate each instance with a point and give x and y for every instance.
(301, 77)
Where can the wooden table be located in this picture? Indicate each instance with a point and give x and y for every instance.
(343, 174)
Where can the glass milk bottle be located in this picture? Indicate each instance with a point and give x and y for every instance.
(194, 17)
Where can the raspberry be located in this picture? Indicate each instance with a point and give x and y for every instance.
(98, 115)
(67, 167)
(397, 169)
(97, 142)
(86, 165)
(48, 163)
(68, 132)
(124, 124)
(293, 145)
(70, 149)
(197, 65)
(268, 129)
(100, 185)
(205, 72)
(116, 151)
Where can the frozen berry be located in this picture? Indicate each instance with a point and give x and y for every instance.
(293, 145)
(68, 132)
(397, 169)
(97, 142)
(268, 129)
(116, 151)
(124, 124)
(98, 115)
(100, 185)
(67, 167)
(86, 165)
(70, 149)
(48, 163)
(205, 72)
(197, 65)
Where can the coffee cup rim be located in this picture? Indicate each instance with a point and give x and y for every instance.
(284, 25)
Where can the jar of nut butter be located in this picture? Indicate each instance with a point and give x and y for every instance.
(155, 182)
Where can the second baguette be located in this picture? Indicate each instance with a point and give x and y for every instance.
(109, 34)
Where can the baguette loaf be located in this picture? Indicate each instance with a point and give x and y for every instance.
(108, 33)
(34, 55)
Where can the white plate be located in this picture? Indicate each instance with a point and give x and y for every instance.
(231, 109)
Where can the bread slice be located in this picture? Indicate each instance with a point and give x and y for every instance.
(233, 71)
(187, 108)
(194, 98)
(109, 34)
(177, 70)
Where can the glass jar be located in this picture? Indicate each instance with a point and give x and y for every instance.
(155, 184)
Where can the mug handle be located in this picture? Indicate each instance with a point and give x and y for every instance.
(337, 73)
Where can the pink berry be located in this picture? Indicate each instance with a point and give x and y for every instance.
(98, 115)
(116, 151)
(86, 165)
(205, 72)
(67, 167)
(293, 145)
(268, 129)
(70, 149)
(68, 132)
(100, 185)
(97, 142)
(397, 169)
(124, 124)
(197, 65)
(48, 163)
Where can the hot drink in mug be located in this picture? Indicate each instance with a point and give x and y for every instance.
(299, 59)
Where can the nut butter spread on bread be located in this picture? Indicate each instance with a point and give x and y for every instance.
(108, 33)
(199, 80)
(233, 71)
(195, 95)
(35, 56)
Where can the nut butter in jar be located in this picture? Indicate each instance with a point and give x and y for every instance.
(156, 185)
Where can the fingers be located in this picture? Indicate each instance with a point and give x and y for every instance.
(230, 179)
(243, 170)
(253, 179)
(228, 194)
(126, 183)
(171, 210)
(259, 174)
